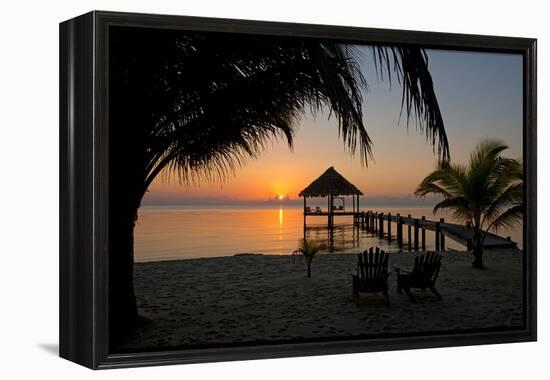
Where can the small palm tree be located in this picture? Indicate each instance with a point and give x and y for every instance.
(308, 249)
(486, 194)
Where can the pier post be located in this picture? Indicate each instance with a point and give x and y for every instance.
(399, 231)
(442, 237)
(423, 233)
(389, 227)
(381, 225)
(304, 213)
(416, 234)
(330, 212)
(437, 233)
(409, 231)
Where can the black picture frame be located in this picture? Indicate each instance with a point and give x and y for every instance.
(84, 188)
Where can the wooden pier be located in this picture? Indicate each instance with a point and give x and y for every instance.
(410, 232)
(382, 225)
(334, 186)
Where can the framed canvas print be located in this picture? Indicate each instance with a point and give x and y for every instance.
(238, 189)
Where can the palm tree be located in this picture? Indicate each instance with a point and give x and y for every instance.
(196, 106)
(308, 249)
(486, 194)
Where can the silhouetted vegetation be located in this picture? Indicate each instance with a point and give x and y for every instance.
(485, 194)
(198, 105)
(308, 249)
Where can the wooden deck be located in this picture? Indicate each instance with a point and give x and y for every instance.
(462, 234)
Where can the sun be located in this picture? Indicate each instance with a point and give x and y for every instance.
(280, 196)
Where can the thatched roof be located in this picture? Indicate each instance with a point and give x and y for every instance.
(330, 182)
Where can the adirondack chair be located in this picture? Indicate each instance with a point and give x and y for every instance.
(423, 276)
(372, 274)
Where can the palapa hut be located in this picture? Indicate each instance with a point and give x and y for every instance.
(332, 185)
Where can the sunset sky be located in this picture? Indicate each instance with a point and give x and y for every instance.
(480, 95)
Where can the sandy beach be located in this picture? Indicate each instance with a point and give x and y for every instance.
(251, 298)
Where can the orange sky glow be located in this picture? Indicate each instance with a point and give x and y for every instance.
(479, 95)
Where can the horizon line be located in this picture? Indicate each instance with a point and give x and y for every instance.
(401, 201)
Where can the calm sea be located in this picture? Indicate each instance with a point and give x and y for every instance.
(184, 232)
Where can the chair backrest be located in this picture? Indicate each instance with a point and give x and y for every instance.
(427, 266)
(372, 265)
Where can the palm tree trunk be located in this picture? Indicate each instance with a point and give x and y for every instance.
(126, 178)
(478, 249)
(123, 312)
(478, 259)
(309, 268)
